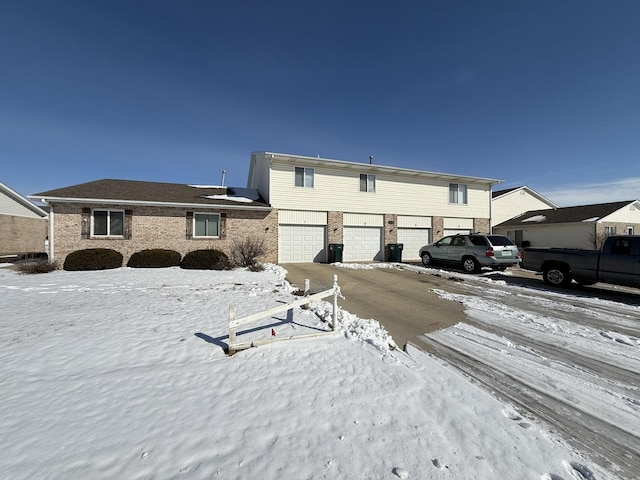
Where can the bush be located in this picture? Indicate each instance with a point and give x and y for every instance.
(154, 258)
(205, 260)
(93, 259)
(246, 252)
(40, 265)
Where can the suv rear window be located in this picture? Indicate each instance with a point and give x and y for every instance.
(499, 240)
(478, 241)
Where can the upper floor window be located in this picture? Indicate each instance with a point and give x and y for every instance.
(367, 183)
(458, 193)
(108, 223)
(304, 177)
(206, 225)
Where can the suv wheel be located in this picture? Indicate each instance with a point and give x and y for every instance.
(470, 264)
(426, 259)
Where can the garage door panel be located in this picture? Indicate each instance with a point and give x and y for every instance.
(413, 239)
(301, 243)
(362, 244)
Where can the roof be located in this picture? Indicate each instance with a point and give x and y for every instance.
(499, 193)
(134, 192)
(25, 202)
(373, 168)
(581, 213)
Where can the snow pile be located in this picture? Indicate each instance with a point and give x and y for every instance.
(122, 374)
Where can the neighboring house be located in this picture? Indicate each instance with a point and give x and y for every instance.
(363, 206)
(512, 202)
(23, 225)
(129, 216)
(583, 226)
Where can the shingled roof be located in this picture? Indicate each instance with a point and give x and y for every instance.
(155, 193)
(581, 213)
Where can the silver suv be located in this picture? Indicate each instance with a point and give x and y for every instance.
(472, 251)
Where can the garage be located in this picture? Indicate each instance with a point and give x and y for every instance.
(414, 232)
(458, 226)
(413, 239)
(302, 243)
(362, 244)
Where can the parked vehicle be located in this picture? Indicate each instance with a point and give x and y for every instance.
(472, 252)
(618, 263)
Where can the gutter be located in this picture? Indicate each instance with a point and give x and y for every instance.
(142, 203)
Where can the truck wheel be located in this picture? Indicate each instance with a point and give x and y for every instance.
(470, 265)
(426, 259)
(557, 276)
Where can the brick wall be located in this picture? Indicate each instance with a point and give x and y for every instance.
(22, 235)
(156, 227)
(481, 225)
(335, 227)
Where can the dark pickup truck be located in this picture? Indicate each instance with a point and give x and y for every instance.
(618, 263)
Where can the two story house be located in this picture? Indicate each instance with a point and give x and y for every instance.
(364, 206)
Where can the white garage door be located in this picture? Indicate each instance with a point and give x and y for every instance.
(456, 231)
(301, 244)
(362, 244)
(413, 239)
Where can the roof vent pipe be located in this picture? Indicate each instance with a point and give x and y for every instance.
(224, 174)
(370, 159)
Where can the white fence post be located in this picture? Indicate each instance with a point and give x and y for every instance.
(232, 329)
(336, 292)
(307, 288)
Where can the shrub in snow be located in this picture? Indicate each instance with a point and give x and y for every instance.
(247, 252)
(93, 259)
(154, 258)
(205, 260)
(37, 265)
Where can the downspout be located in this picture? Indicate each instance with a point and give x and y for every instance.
(50, 250)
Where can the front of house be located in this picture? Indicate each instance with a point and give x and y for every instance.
(129, 216)
(364, 207)
(301, 206)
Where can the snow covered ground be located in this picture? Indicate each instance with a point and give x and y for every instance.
(122, 374)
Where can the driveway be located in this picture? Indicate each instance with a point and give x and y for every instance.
(401, 300)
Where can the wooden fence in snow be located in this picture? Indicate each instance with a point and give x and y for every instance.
(234, 322)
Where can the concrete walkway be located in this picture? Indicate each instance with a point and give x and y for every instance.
(401, 300)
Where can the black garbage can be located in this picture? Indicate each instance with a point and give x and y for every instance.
(335, 252)
(395, 252)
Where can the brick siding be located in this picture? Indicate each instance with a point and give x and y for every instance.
(157, 227)
(22, 235)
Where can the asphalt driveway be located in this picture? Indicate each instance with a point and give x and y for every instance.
(401, 300)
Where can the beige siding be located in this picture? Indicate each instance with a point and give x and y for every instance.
(628, 214)
(413, 222)
(362, 220)
(513, 204)
(574, 235)
(9, 206)
(259, 175)
(298, 217)
(403, 195)
(458, 223)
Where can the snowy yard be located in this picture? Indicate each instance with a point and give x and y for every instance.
(121, 374)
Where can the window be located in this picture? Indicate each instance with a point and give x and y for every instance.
(621, 247)
(629, 230)
(206, 225)
(458, 193)
(610, 231)
(304, 177)
(108, 223)
(367, 183)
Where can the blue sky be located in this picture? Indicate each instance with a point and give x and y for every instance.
(540, 93)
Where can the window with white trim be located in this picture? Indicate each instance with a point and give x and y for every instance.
(206, 225)
(367, 183)
(629, 230)
(107, 223)
(458, 193)
(304, 177)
